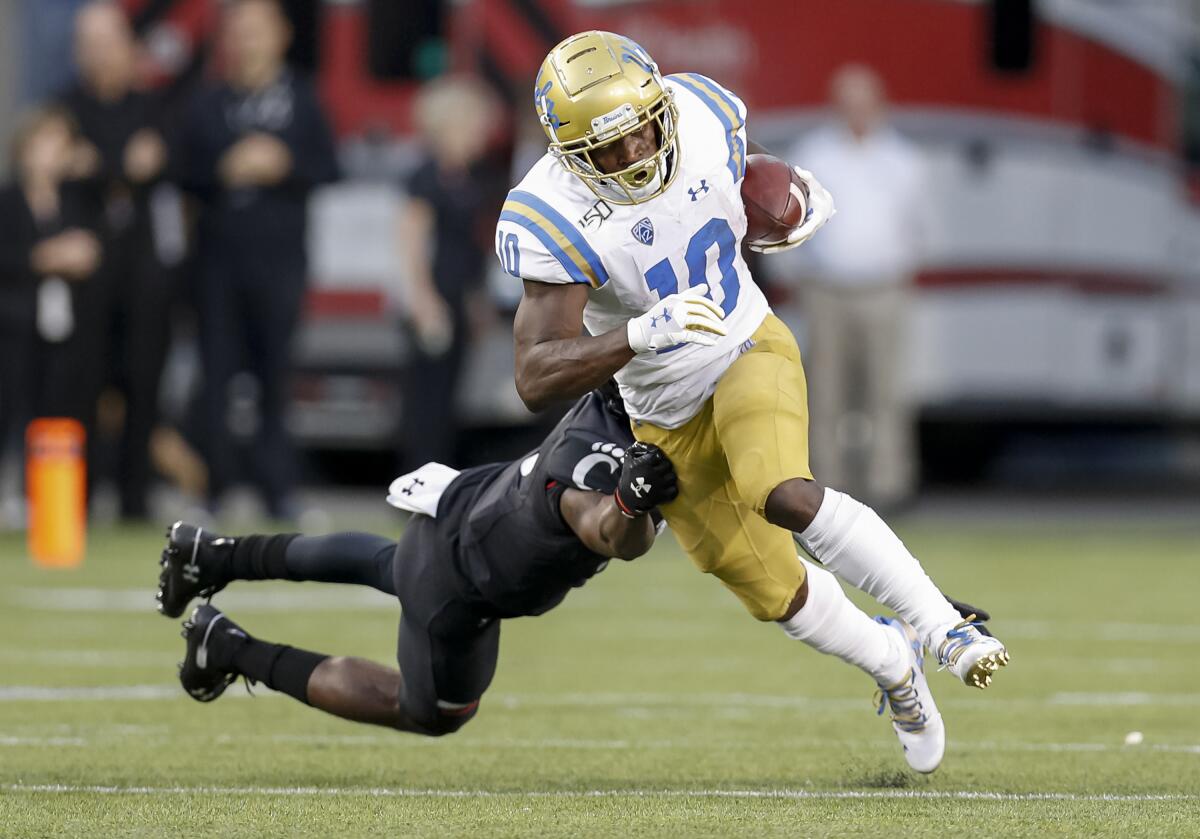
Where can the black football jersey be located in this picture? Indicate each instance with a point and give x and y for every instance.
(508, 537)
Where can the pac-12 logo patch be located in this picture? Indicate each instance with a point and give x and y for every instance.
(643, 231)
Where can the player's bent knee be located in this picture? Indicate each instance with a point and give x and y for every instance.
(770, 600)
(768, 612)
(794, 504)
(450, 718)
(798, 601)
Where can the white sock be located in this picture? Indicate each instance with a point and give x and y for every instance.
(830, 623)
(852, 541)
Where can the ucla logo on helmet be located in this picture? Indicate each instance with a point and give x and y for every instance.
(542, 100)
(643, 231)
(634, 53)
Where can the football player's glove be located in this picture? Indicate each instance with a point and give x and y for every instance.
(820, 210)
(685, 318)
(968, 611)
(647, 480)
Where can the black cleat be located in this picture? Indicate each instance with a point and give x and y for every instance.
(191, 563)
(207, 633)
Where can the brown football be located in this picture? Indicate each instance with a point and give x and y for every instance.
(773, 208)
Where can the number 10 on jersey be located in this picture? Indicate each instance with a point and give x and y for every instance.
(662, 280)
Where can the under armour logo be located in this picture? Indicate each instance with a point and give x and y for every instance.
(696, 193)
(640, 487)
(665, 317)
(408, 490)
(191, 572)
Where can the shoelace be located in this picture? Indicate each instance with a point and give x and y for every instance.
(907, 713)
(957, 639)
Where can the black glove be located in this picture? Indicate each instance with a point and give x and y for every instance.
(966, 610)
(647, 480)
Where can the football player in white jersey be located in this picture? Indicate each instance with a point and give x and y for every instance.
(631, 226)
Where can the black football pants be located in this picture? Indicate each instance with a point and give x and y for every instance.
(447, 646)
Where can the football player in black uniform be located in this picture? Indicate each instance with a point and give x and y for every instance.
(502, 541)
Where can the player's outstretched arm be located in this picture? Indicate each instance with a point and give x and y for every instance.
(603, 528)
(554, 361)
(619, 525)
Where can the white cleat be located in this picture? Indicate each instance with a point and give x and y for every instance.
(970, 655)
(915, 717)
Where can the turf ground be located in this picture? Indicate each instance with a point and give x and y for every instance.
(649, 704)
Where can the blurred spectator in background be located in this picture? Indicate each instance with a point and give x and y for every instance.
(856, 293)
(49, 255)
(125, 156)
(445, 231)
(255, 145)
(46, 28)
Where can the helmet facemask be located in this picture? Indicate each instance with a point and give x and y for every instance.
(640, 181)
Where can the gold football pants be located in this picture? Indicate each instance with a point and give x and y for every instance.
(749, 437)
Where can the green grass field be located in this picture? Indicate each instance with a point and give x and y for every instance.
(649, 704)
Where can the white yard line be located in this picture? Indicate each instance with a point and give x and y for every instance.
(1124, 698)
(399, 792)
(720, 700)
(698, 743)
(279, 597)
(393, 740)
(41, 742)
(637, 703)
(88, 658)
(1115, 632)
(1002, 746)
(106, 693)
(141, 600)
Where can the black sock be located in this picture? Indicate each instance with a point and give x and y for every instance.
(260, 557)
(278, 666)
(361, 559)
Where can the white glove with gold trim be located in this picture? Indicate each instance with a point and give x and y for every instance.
(685, 318)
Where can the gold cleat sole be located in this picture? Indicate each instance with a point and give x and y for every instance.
(980, 674)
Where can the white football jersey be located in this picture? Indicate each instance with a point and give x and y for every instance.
(554, 229)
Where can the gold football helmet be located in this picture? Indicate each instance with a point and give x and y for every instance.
(595, 88)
